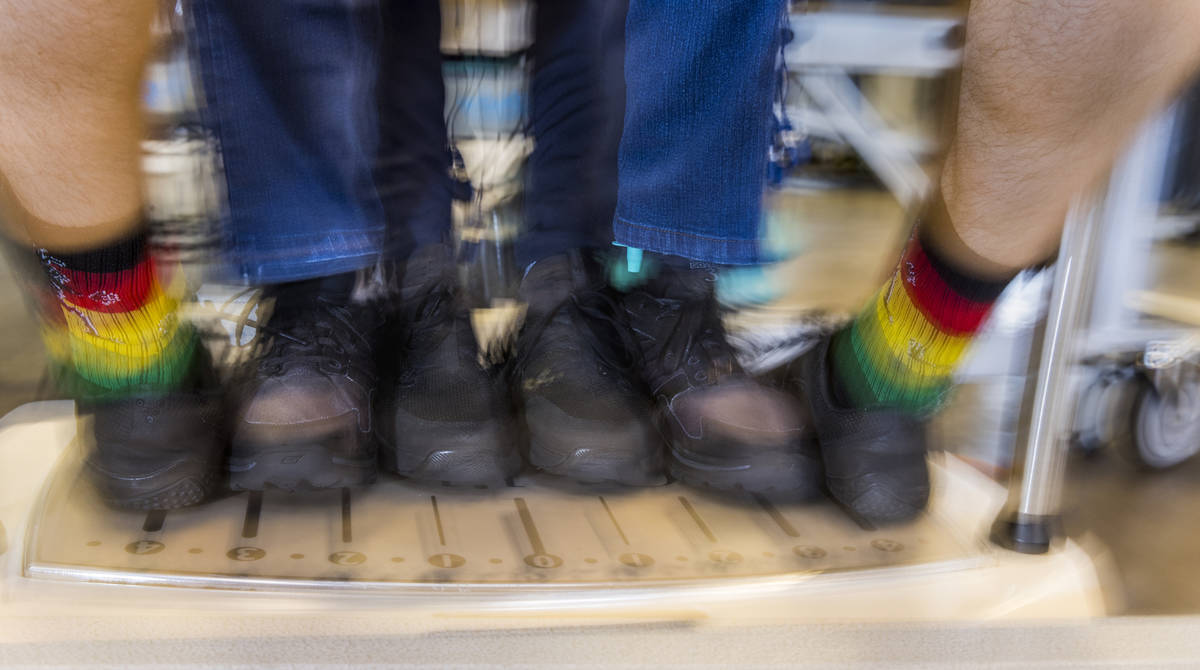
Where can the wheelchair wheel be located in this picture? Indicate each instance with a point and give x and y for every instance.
(1104, 410)
(1166, 431)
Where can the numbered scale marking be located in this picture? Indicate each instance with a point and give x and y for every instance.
(408, 535)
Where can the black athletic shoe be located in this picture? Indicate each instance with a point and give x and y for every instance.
(874, 459)
(153, 449)
(303, 398)
(726, 430)
(444, 416)
(586, 414)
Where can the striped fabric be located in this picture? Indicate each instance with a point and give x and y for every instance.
(904, 347)
(112, 320)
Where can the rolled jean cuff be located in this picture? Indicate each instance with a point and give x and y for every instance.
(277, 259)
(689, 245)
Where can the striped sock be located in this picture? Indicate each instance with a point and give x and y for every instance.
(110, 320)
(903, 348)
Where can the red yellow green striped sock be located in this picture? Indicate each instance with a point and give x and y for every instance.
(903, 348)
(110, 320)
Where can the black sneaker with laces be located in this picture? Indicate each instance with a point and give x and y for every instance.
(726, 430)
(587, 415)
(874, 458)
(153, 449)
(303, 397)
(444, 415)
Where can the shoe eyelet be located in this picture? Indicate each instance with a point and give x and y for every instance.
(140, 402)
(332, 366)
(270, 367)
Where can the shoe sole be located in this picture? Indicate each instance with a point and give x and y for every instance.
(592, 452)
(884, 510)
(794, 476)
(585, 466)
(465, 453)
(184, 484)
(302, 463)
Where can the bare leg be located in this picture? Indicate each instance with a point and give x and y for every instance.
(1052, 91)
(70, 187)
(70, 126)
(71, 72)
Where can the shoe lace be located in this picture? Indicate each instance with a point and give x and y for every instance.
(326, 335)
(595, 315)
(693, 340)
(426, 320)
(427, 315)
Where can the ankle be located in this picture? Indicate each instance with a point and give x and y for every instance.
(939, 236)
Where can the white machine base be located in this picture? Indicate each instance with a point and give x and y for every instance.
(537, 546)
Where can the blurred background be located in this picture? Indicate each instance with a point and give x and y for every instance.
(863, 123)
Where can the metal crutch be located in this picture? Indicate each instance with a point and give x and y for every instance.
(1029, 522)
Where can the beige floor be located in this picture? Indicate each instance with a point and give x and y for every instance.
(21, 354)
(850, 242)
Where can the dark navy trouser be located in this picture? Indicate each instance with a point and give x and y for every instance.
(330, 118)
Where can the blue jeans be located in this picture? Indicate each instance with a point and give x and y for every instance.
(329, 117)
(289, 89)
(699, 78)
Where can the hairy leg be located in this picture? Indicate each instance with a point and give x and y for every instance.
(1052, 91)
(70, 121)
(70, 188)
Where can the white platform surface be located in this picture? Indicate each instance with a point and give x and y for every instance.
(598, 610)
